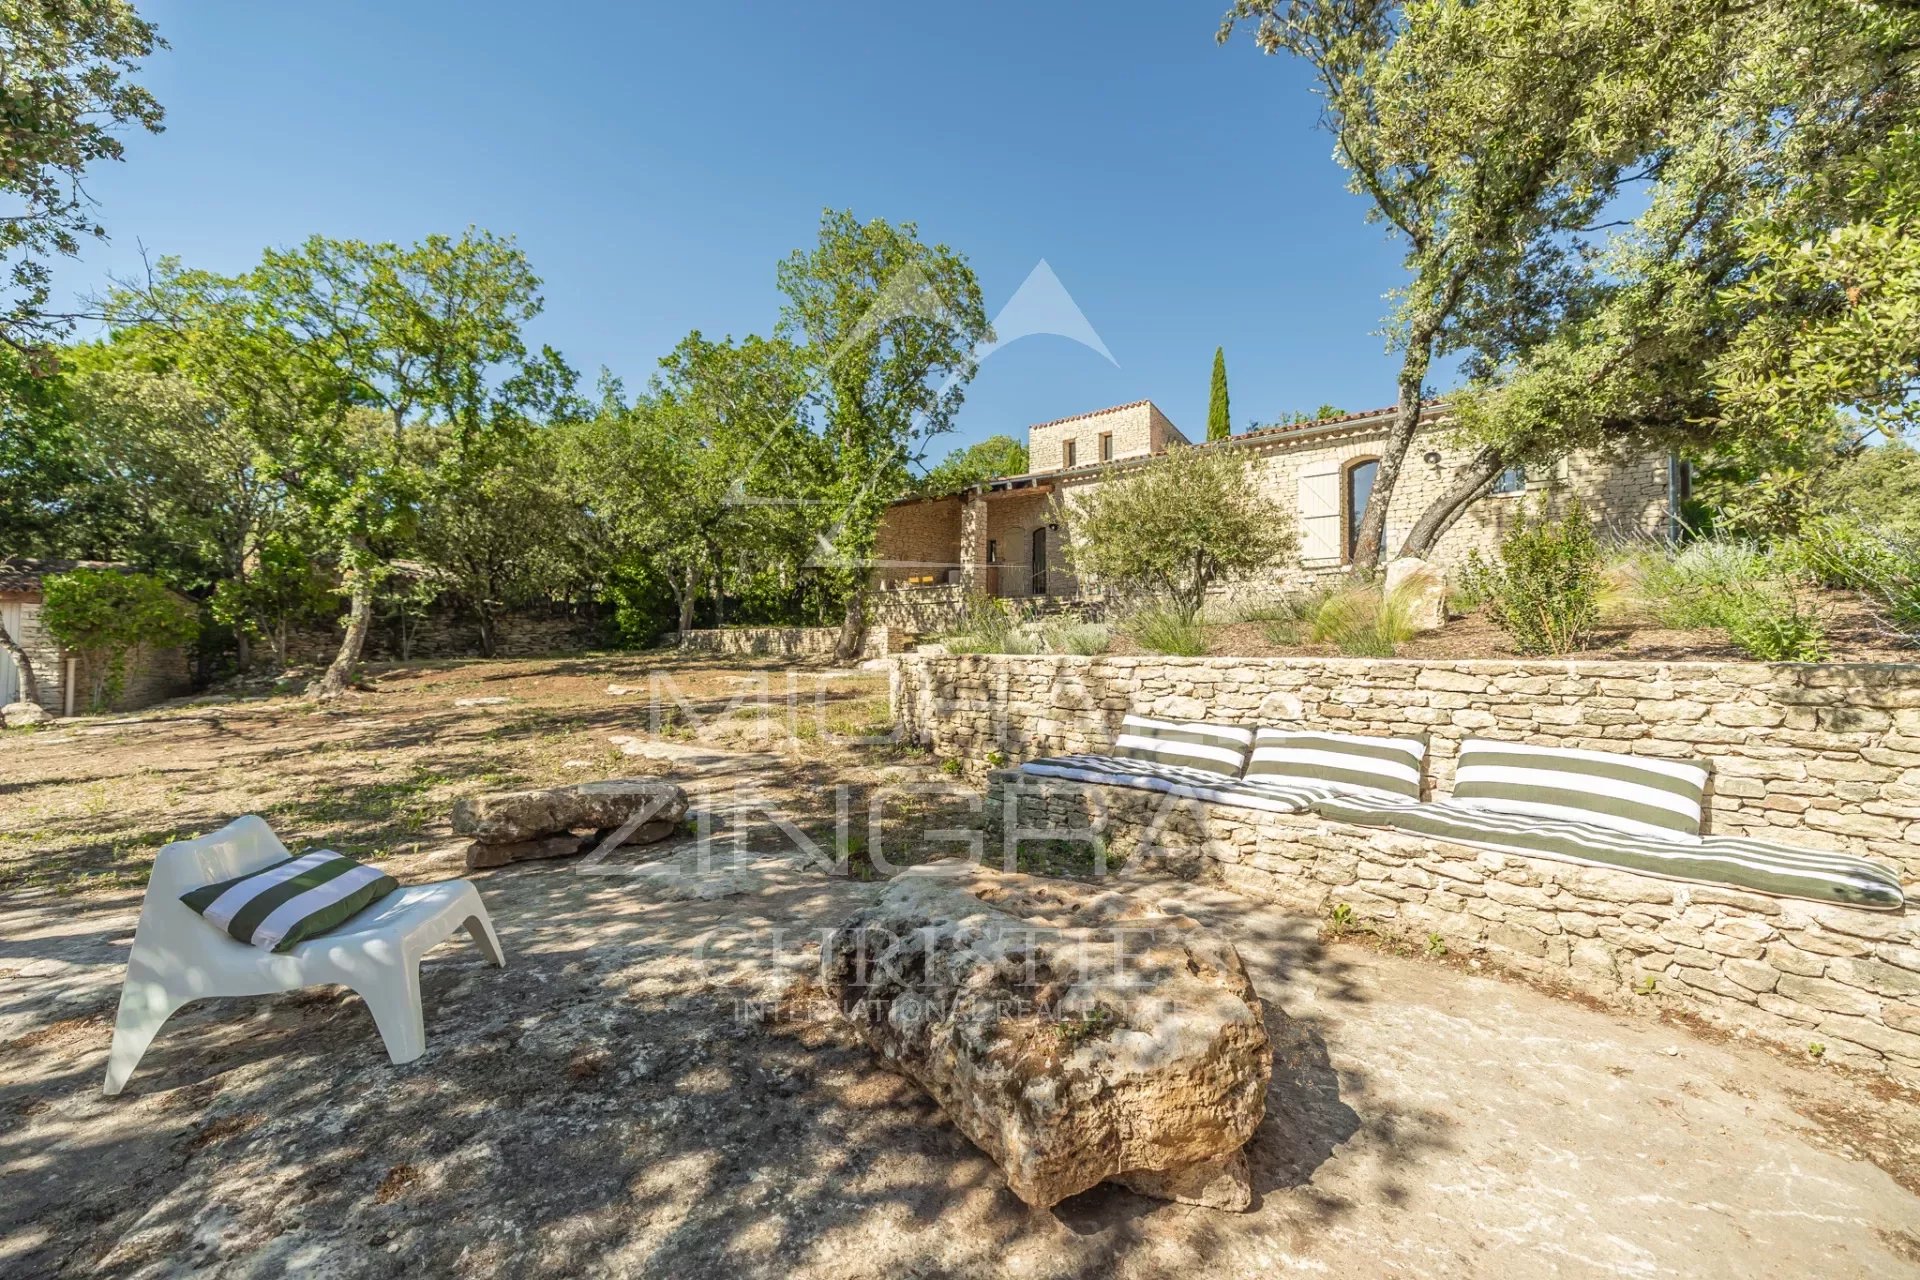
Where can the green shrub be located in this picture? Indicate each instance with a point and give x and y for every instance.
(104, 616)
(988, 626)
(1083, 638)
(1362, 622)
(1883, 568)
(1167, 629)
(1771, 627)
(1693, 588)
(1545, 590)
(1289, 619)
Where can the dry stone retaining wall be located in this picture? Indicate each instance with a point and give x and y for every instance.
(1798, 974)
(1820, 755)
(778, 642)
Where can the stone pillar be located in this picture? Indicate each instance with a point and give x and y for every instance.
(973, 542)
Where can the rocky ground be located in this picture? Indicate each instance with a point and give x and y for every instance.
(616, 1101)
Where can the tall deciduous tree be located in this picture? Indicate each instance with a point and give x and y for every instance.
(427, 337)
(65, 68)
(1484, 148)
(889, 326)
(1761, 302)
(1219, 413)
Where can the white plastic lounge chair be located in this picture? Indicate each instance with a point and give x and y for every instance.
(178, 957)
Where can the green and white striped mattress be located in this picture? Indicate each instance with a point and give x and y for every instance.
(1759, 866)
(1215, 748)
(1342, 760)
(1177, 780)
(1642, 795)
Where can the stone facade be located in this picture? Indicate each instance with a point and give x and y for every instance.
(916, 543)
(149, 675)
(984, 538)
(1797, 974)
(1824, 755)
(1134, 430)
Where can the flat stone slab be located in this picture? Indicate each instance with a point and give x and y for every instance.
(517, 817)
(1071, 1033)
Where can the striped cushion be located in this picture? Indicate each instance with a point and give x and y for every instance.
(1345, 760)
(280, 906)
(1176, 780)
(1760, 866)
(1218, 748)
(1628, 793)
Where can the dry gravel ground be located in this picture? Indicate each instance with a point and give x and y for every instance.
(607, 1104)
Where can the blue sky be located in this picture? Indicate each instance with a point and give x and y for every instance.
(656, 160)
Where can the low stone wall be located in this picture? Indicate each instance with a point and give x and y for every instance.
(779, 642)
(1820, 755)
(1794, 973)
(448, 634)
(922, 611)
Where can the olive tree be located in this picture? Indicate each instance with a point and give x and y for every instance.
(1175, 525)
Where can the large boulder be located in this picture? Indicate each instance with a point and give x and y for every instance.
(23, 715)
(1422, 587)
(511, 826)
(1073, 1034)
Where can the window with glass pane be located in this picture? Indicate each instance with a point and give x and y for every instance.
(1359, 490)
(1512, 480)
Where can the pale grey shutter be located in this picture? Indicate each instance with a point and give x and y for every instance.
(1320, 514)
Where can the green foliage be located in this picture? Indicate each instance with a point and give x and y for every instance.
(1885, 570)
(69, 93)
(978, 463)
(1083, 638)
(1168, 629)
(1878, 487)
(1362, 621)
(1545, 590)
(888, 327)
(1174, 526)
(1726, 585)
(1773, 628)
(1301, 417)
(104, 616)
(1219, 414)
(987, 625)
(1436, 946)
(282, 592)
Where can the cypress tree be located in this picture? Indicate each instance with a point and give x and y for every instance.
(1219, 421)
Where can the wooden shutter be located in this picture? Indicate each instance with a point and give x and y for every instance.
(10, 618)
(1320, 514)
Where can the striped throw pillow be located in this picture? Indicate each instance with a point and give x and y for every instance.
(1346, 760)
(280, 906)
(1219, 748)
(1627, 793)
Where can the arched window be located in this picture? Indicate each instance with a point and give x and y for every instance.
(1355, 494)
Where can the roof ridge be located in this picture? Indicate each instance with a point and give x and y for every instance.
(1093, 413)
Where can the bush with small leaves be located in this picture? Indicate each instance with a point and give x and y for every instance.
(1544, 591)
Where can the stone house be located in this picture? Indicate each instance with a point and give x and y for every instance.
(1002, 538)
(63, 678)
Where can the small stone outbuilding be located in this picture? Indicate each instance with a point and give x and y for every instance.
(63, 679)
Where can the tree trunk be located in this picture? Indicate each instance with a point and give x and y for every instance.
(242, 651)
(685, 597)
(1393, 455)
(1469, 483)
(487, 639)
(853, 630)
(29, 687)
(360, 614)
